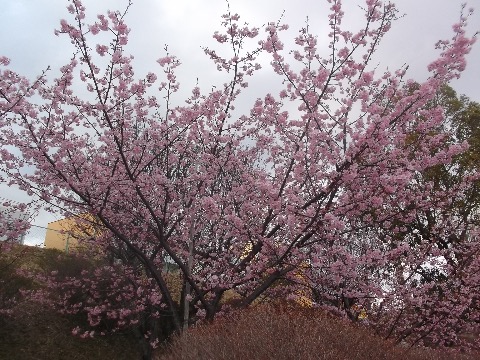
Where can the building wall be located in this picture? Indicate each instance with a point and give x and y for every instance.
(56, 238)
(64, 234)
(10, 215)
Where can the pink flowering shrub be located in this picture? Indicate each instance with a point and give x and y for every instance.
(101, 297)
(12, 257)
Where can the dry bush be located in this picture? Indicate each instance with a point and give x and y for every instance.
(288, 332)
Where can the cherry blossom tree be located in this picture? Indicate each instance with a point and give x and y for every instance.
(312, 192)
(440, 283)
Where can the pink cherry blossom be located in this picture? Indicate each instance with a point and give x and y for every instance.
(319, 188)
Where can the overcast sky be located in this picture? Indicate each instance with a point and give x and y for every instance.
(26, 37)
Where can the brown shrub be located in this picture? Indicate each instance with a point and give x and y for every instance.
(285, 332)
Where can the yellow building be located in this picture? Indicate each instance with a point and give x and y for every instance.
(64, 234)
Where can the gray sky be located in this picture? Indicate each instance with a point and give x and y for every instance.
(26, 37)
